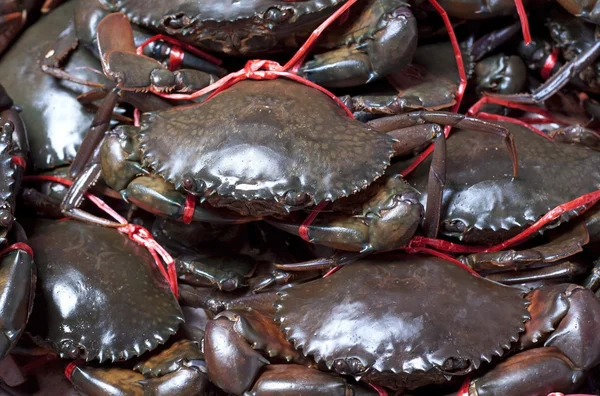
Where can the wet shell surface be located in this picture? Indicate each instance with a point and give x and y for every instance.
(388, 318)
(100, 295)
(263, 139)
(481, 195)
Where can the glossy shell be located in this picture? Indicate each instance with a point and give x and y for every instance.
(100, 295)
(483, 204)
(263, 139)
(233, 27)
(402, 321)
(56, 122)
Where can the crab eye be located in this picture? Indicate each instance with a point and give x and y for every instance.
(293, 198)
(188, 183)
(177, 21)
(276, 15)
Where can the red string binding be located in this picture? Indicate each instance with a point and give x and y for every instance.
(380, 391)
(464, 389)
(17, 246)
(549, 64)
(19, 161)
(175, 58)
(303, 230)
(189, 208)
(71, 367)
(524, 21)
(136, 233)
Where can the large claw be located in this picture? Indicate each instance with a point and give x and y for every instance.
(387, 220)
(561, 317)
(382, 39)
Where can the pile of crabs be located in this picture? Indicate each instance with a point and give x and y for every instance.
(299, 197)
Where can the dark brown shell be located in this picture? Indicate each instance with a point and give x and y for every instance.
(100, 295)
(480, 194)
(261, 139)
(235, 27)
(392, 319)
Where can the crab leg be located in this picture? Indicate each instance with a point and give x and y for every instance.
(565, 245)
(96, 133)
(563, 271)
(458, 121)
(557, 80)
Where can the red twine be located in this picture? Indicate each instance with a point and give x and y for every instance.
(524, 21)
(135, 232)
(19, 161)
(189, 208)
(549, 64)
(175, 58)
(18, 246)
(464, 389)
(71, 367)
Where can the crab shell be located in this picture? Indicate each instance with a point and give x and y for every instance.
(483, 204)
(277, 145)
(234, 27)
(402, 321)
(100, 294)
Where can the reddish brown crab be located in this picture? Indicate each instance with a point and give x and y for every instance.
(388, 338)
(249, 154)
(380, 36)
(95, 289)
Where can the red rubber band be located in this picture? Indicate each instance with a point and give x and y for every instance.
(18, 246)
(380, 391)
(175, 58)
(19, 161)
(524, 21)
(464, 389)
(136, 233)
(549, 64)
(189, 208)
(303, 229)
(71, 367)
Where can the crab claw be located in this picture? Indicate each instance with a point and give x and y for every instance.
(18, 278)
(379, 41)
(135, 72)
(387, 220)
(561, 317)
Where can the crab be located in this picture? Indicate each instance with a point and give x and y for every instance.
(95, 286)
(56, 120)
(389, 340)
(485, 208)
(379, 37)
(264, 160)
